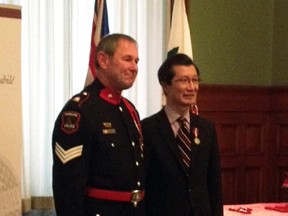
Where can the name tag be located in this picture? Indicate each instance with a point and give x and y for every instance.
(109, 131)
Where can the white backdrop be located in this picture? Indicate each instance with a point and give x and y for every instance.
(55, 49)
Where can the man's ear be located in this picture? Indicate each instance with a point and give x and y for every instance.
(164, 87)
(103, 59)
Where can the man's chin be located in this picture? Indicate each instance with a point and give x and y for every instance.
(127, 86)
(190, 102)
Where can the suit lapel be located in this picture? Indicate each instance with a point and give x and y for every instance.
(194, 123)
(166, 132)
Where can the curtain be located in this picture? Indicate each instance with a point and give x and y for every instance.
(55, 48)
(145, 21)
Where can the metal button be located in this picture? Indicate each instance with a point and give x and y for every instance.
(120, 108)
(133, 143)
(138, 183)
(112, 144)
(137, 163)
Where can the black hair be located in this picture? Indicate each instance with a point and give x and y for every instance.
(166, 73)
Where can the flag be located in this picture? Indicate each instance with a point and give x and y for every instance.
(180, 38)
(100, 28)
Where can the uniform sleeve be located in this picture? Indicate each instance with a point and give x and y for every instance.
(70, 146)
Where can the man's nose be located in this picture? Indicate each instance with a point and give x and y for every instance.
(192, 84)
(134, 66)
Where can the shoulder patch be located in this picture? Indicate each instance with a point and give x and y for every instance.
(70, 122)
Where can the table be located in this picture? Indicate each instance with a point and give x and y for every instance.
(257, 209)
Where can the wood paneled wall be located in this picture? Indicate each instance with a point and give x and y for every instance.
(252, 127)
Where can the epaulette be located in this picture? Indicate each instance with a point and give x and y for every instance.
(80, 98)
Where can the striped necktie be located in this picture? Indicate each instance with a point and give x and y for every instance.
(184, 142)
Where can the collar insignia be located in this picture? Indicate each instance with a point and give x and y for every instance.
(110, 96)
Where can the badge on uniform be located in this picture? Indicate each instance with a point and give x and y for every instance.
(69, 154)
(108, 128)
(70, 122)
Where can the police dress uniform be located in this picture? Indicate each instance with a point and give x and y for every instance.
(98, 155)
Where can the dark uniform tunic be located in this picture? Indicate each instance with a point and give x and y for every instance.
(96, 144)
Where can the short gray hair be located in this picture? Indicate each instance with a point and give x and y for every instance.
(109, 43)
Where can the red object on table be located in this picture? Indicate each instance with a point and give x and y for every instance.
(279, 208)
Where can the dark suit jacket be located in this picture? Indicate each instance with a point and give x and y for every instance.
(169, 190)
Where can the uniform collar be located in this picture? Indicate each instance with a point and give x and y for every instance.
(110, 96)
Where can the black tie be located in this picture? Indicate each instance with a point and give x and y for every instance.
(184, 142)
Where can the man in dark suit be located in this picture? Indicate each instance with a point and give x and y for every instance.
(182, 181)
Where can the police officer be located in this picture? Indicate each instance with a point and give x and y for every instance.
(97, 140)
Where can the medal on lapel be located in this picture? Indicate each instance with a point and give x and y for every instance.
(194, 110)
(196, 139)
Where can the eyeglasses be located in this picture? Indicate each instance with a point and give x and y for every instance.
(187, 80)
